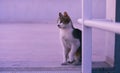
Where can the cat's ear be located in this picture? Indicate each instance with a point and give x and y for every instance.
(60, 14)
(66, 14)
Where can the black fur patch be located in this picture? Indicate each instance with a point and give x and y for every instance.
(77, 34)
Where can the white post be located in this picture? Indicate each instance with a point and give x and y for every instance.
(110, 37)
(86, 37)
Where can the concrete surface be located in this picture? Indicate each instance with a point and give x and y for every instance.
(32, 45)
(41, 72)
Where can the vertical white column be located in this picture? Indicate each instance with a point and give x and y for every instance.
(110, 37)
(86, 37)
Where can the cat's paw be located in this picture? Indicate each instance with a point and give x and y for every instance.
(65, 63)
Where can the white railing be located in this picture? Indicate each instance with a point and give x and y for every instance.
(87, 39)
(87, 25)
(101, 24)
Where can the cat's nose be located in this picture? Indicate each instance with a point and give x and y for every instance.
(58, 26)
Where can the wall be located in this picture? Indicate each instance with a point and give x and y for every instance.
(98, 37)
(37, 10)
(44, 10)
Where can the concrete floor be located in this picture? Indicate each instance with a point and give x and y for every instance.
(36, 43)
(41, 72)
(33, 45)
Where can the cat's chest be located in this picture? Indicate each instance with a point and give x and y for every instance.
(67, 35)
